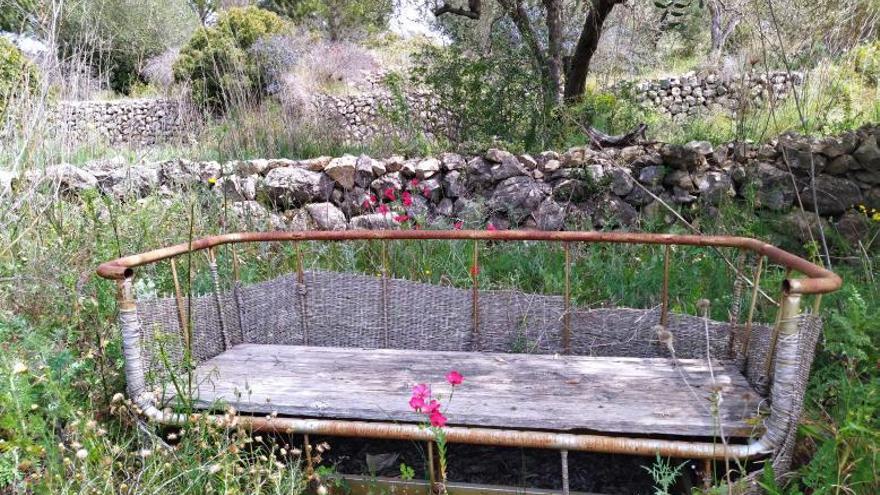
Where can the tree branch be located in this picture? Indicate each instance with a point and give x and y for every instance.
(472, 12)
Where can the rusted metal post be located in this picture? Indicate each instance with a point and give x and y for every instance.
(664, 295)
(431, 475)
(747, 332)
(384, 303)
(566, 318)
(301, 294)
(218, 302)
(181, 310)
(475, 295)
(736, 300)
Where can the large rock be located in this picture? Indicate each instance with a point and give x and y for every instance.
(364, 170)
(715, 187)
(799, 153)
(834, 195)
(235, 188)
(681, 157)
(70, 178)
(868, 154)
(374, 221)
(621, 181)
(652, 176)
(426, 168)
(518, 196)
(249, 215)
(297, 186)
(342, 170)
(180, 173)
(327, 216)
(550, 215)
(836, 146)
(773, 187)
(453, 184)
(452, 161)
(802, 225)
(482, 174)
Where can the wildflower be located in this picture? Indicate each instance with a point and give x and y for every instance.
(458, 225)
(490, 227)
(416, 403)
(432, 407)
(322, 490)
(82, 454)
(389, 194)
(406, 198)
(212, 180)
(422, 391)
(401, 218)
(214, 468)
(383, 209)
(19, 368)
(366, 204)
(475, 270)
(426, 192)
(438, 419)
(414, 182)
(454, 378)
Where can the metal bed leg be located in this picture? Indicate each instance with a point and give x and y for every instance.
(563, 456)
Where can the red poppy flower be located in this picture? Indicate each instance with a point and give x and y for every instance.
(383, 209)
(401, 218)
(491, 227)
(475, 270)
(426, 192)
(389, 193)
(406, 197)
(414, 182)
(458, 225)
(416, 403)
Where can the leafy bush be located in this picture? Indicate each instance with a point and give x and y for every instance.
(496, 98)
(17, 74)
(117, 37)
(867, 62)
(215, 61)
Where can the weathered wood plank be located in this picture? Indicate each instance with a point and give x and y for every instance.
(524, 391)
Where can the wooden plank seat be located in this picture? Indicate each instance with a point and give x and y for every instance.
(613, 395)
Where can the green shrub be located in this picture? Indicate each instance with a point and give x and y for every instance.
(216, 62)
(867, 62)
(17, 74)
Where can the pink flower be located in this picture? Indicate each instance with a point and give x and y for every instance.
(422, 391)
(491, 228)
(366, 204)
(414, 182)
(416, 403)
(475, 270)
(454, 378)
(432, 407)
(401, 218)
(458, 225)
(406, 198)
(438, 419)
(373, 199)
(389, 193)
(383, 209)
(426, 192)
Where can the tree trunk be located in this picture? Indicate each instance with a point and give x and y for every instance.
(576, 77)
(719, 32)
(554, 49)
(520, 18)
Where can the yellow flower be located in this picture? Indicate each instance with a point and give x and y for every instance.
(876, 217)
(212, 180)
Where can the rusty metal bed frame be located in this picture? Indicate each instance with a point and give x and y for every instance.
(788, 372)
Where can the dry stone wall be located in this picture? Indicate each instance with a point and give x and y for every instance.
(580, 188)
(380, 113)
(694, 93)
(127, 121)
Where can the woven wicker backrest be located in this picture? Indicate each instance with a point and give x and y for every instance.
(356, 310)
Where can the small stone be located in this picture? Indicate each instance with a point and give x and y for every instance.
(550, 215)
(621, 181)
(427, 168)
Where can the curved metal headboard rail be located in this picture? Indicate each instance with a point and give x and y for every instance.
(819, 280)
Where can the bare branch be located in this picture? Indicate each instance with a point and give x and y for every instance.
(472, 11)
